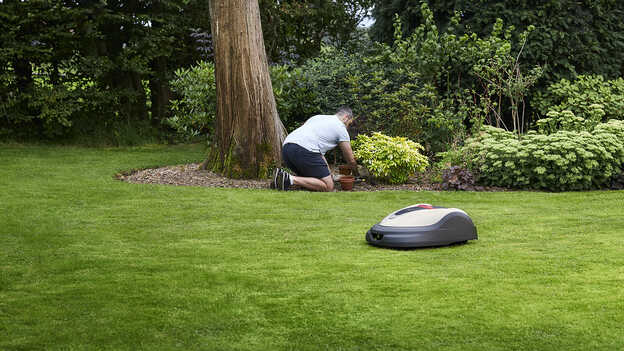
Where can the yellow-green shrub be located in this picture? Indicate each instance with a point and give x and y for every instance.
(389, 159)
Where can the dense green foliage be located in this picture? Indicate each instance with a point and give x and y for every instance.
(194, 111)
(430, 86)
(294, 99)
(571, 37)
(295, 30)
(84, 68)
(389, 159)
(91, 263)
(571, 148)
(564, 160)
(77, 68)
(583, 96)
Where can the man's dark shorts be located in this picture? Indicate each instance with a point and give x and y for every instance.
(303, 162)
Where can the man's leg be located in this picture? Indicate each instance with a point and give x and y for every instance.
(316, 184)
(314, 173)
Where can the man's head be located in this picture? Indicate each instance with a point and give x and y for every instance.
(345, 115)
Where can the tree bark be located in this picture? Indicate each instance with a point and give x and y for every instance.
(248, 132)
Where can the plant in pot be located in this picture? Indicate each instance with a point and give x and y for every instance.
(344, 169)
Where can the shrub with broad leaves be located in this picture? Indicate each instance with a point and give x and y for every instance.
(195, 109)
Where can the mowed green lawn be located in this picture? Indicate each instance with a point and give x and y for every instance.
(91, 263)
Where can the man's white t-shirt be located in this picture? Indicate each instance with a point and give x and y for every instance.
(319, 133)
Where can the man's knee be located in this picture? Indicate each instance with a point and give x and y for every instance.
(328, 182)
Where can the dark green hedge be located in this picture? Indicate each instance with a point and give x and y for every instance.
(571, 37)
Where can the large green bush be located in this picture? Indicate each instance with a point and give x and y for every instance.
(581, 97)
(295, 101)
(194, 111)
(328, 74)
(389, 159)
(433, 85)
(565, 160)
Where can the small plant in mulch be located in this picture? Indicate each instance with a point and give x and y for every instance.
(458, 178)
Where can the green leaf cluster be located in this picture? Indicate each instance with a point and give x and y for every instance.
(588, 97)
(389, 159)
(194, 111)
(294, 99)
(564, 160)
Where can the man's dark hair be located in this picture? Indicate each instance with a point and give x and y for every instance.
(345, 111)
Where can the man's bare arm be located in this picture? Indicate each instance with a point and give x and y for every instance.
(347, 153)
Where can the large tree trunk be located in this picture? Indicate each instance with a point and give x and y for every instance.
(248, 132)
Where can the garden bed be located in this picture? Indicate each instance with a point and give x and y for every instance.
(191, 175)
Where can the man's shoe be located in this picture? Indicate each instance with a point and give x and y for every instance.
(273, 184)
(283, 180)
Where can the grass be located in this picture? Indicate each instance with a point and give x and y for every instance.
(91, 263)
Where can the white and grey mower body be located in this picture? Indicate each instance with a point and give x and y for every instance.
(422, 225)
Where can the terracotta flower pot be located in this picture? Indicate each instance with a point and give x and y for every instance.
(346, 182)
(344, 169)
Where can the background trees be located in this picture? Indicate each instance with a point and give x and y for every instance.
(102, 68)
(87, 67)
(571, 37)
(295, 29)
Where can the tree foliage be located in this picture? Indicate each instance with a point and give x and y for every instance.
(571, 37)
(86, 65)
(294, 30)
(77, 67)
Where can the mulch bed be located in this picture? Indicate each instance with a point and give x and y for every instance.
(191, 175)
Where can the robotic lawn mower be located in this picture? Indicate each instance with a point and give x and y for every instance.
(422, 225)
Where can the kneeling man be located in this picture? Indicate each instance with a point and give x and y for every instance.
(304, 151)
